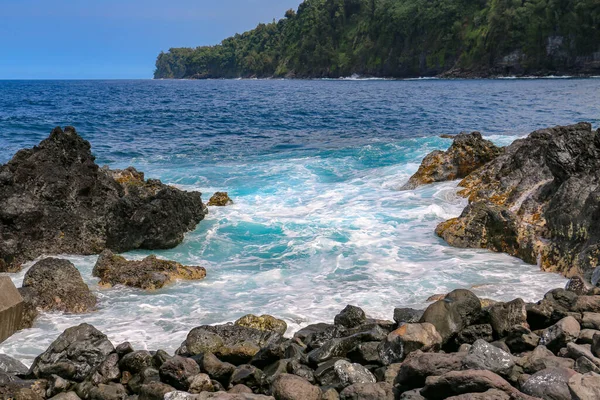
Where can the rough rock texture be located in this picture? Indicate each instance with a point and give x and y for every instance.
(539, 201)
(504, 316)
(468, 152)
(11, 308)
(149, 273)
(418, 366)
(292, 387)
(408, 338)
(263, 323)
(219, 199)
(54, 199)
(11, 366)
(550, 383)
(56, 285)
(73, 354)
(483, 355)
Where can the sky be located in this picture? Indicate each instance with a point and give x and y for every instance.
(116, 39)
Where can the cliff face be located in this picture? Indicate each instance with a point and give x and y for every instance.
(405, 38)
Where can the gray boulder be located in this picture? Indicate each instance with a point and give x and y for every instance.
(558, 335)
(484, 356)
(12, 366)
(349, 373)
(350, 317)
(549, 384)
(177, 372)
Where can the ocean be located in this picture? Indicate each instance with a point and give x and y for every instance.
(313, 168)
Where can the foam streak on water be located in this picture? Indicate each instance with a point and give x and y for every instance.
(318, 221)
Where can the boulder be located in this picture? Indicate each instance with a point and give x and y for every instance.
(248, 375)
(76, 352)
(231, 343)
(492, 394)
(484, 356)
(219, 199)
(350, 374)
(452, 313)
(11, 366)
(408, 338)
(315, 335)
(178, 372)
(472, 333)
(350, 317)
(550, 383)
(584, 387)
(595, 349)
(577, 285)
(583, 365)
(215, 368)
(56, 285)
(590, 320)
(586, 304)
(136, 361)
(54, 199)
(418, 366)
(541, 358)
(154, 391)
(558, 335)
(535, 200)
(263, 323)
(11, 309)
(292, 387)
(150, 273)
(408, 315)
(341, 347)
(368, 391)
(586, 336)
(504, 316)
(468, 152)
(521, 339)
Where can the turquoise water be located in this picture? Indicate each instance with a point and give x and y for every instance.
(314, 169)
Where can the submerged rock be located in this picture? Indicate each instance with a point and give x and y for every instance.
(149, 273)
(219, 199)
(54, 199)
(468, 152)
(539, 201)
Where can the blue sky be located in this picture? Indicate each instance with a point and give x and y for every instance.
(78, 39)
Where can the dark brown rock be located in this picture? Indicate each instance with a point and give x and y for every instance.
(219, 199)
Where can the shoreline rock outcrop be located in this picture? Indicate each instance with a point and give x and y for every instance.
(539, 201)
(468, 152)
(150, 273)
(55, 199)
(354, 358)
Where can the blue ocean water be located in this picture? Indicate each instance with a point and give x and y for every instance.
(314, 169)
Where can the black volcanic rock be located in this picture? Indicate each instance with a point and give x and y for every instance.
(55, 199)
(539, 201)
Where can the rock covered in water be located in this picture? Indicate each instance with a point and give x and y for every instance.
(219, 199)
(54, 199)
(468, 152)
(538, 200)
(149, 273)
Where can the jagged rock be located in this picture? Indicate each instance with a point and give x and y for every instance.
(366, 353)
(154, 391)
(292, 387)
(303, 371)
(150, 273)
(574, 351)
(76, 352)
(56, 285)
(269, 354)
(483, 355)
(521, 339)
(107, 371)
(240, 389)
(124, 348)
(584, 387)
(316, 334)
(550, 383)
(541, 358)
(452, 313)
(247, 375)
(219, 199)
(325, 374)
(418, 366)
(590, 320)
(537, 201)
(11, 366)
(558, 335)
(474, 332)
(468, 152)
(408, 315)
(584, 365)
(231, 343)
(177, 372)
(340, 347)
(263, 323)
(577, 285)
(136, 361)
(11, 309)
(201, 383)
(215, 368)
(504, 316)
(368, 391)
(352, 373)
(350, 317)
(408, 338)
(54, 199)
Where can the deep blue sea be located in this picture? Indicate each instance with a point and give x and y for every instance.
(314, 169)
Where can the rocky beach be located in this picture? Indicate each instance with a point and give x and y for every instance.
(535, 199)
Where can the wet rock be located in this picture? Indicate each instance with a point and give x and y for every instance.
(340, 347)
(484, 356)
(303, 371)
(247, 375)
(274, 370)
(504, 316)
(418, 366)
(12, 366)
(136, 361)
(231, 343)
(368, 391)
(577, 285)
(76, 352)
(144, 377)
(558, 335)
(366, 353)
(468, 152)
(316, 334)
(349, 373)
(54, 199)
(150, 273)
(107, 371)
(350, 317)
(326, 376)
(177, 372)
(56, 285)
(535, 200)
(584, 387)
(474, 332)
(124, 348)
(550, 383)
(292, 387)
(453, 313)
(160, 357)
(269, 354)
(263, 323)
(408, 315)
(460, 382)
(215, 368)
(408, 338)
(219, 199)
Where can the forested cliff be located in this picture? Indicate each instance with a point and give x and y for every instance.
(405, 38)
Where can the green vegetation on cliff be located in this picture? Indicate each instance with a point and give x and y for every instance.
(404, 38)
